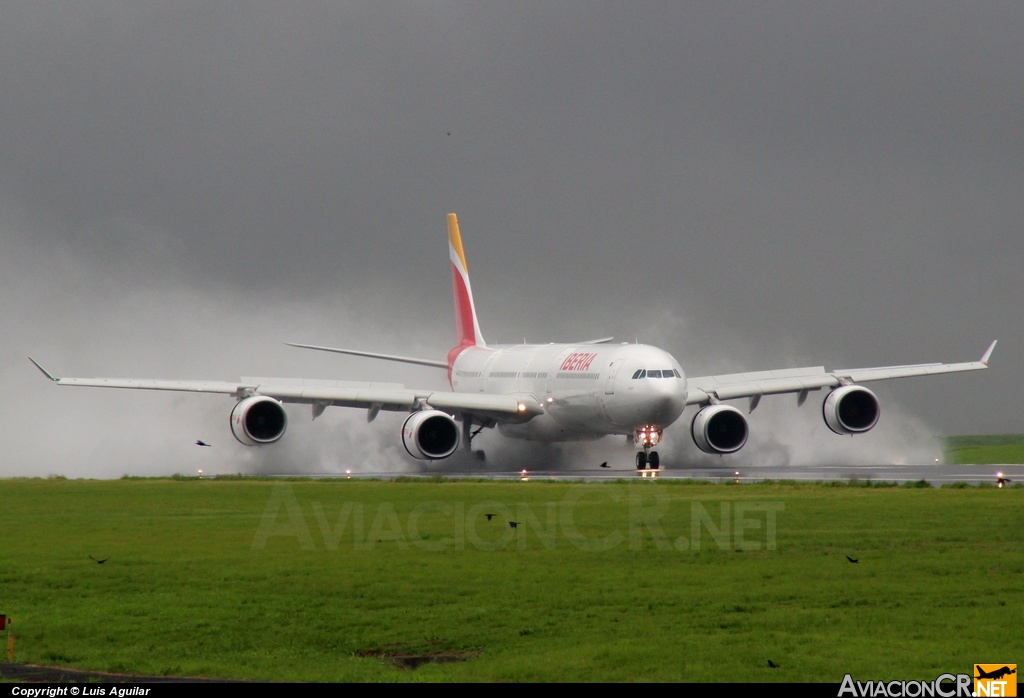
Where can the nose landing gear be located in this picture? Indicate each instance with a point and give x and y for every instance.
(647, 437)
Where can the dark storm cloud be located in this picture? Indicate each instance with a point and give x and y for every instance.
(185, 185)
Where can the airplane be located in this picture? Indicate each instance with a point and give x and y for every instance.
(546, 392)
(995, 673)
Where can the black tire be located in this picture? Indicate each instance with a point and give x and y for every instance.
(641, 460)
(654, 460)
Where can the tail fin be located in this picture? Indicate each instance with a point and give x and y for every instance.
(467, 328)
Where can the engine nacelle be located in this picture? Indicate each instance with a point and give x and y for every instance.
(851, 410)
(258, 420)
(430, 435)
(719, 429)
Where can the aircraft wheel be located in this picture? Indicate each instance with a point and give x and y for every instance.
(480, 456)
(641, 460)
(654, 460)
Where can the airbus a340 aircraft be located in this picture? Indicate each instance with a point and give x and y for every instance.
(547, 392)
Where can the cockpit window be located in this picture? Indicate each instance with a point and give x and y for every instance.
(655, 373)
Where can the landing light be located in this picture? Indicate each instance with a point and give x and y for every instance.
(522, 407)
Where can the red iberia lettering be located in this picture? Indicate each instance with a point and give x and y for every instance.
(577, 362)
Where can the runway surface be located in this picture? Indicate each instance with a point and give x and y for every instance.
(936, 475)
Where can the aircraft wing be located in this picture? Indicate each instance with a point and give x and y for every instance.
(707, 389)
(322, 394)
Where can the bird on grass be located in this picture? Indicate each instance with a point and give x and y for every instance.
(98, 562)
(852, 560)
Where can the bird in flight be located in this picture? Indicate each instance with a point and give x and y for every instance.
(852, 560)
(201, 443)
(98, 562)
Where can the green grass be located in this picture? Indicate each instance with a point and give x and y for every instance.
(985, 449)
(629, 581)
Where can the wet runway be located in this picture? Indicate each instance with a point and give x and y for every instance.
(936, 475)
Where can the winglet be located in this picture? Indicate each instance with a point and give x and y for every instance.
(988, 354)
(45, 372)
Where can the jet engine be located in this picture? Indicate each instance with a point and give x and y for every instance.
(851, 410)
(258, 420)
(719, 429)
(430, 435)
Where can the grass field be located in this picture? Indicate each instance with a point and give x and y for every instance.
(352, 580)
(985, 449)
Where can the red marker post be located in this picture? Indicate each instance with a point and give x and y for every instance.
(4, 622)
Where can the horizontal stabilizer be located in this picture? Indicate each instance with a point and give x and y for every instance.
(373, 355)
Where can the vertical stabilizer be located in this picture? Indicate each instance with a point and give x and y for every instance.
(467, 329)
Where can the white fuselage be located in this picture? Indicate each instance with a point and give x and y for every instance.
(587, 390)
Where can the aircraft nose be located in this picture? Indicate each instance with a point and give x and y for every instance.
(670, 399)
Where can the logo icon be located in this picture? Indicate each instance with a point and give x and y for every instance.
(995, 680)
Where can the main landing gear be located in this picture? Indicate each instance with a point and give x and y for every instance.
(647, 437)
(468, 433)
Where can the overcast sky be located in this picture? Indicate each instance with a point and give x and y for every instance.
(186, 185)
